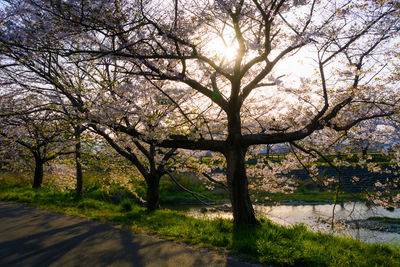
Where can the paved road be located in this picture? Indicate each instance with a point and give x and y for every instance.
(33, 237)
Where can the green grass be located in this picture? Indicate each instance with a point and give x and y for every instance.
(270, 243)
(303, 195)
(385, 220)
(306, 192)
(171, 194)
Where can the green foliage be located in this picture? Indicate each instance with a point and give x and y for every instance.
(115, 194)
(269, 244)
(304, 194)
(95, 192)
(170, 193)
(385, 219)
(189, 181)
(9, 178)
(126, 205)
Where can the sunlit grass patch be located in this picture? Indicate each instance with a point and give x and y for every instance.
(269, 244)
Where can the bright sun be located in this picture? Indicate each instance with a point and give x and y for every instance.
(224, 52)
(294, 67)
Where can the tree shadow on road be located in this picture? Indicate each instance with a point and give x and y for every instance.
(33, 237)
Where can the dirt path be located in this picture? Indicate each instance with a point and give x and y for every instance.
(33, 237)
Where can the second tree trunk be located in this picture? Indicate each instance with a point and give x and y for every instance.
(153, 193)
(38, 177)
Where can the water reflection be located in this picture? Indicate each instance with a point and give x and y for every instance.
(317, 218)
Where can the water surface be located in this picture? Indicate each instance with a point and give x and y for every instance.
(318, 218)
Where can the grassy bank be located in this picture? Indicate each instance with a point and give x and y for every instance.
(270, 243)
(307, 195)
(385, 220)
(306, 192)
(300, 195)
(171, 194)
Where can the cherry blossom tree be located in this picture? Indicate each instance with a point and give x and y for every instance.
(40, 133)
(254, 72)
(342, 38)
(100, 95)
(26, 80)
(120, 112)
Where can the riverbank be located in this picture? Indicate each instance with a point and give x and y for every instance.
(383, 224)
(268, 244)
(351, 218)
(300, 197)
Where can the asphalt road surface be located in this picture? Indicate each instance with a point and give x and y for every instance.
(33, 237)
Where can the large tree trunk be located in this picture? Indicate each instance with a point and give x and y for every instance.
(78, 166)
(243, 212)
(153, 192)
(38, 178)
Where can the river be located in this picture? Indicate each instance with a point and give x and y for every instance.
(317, 218)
